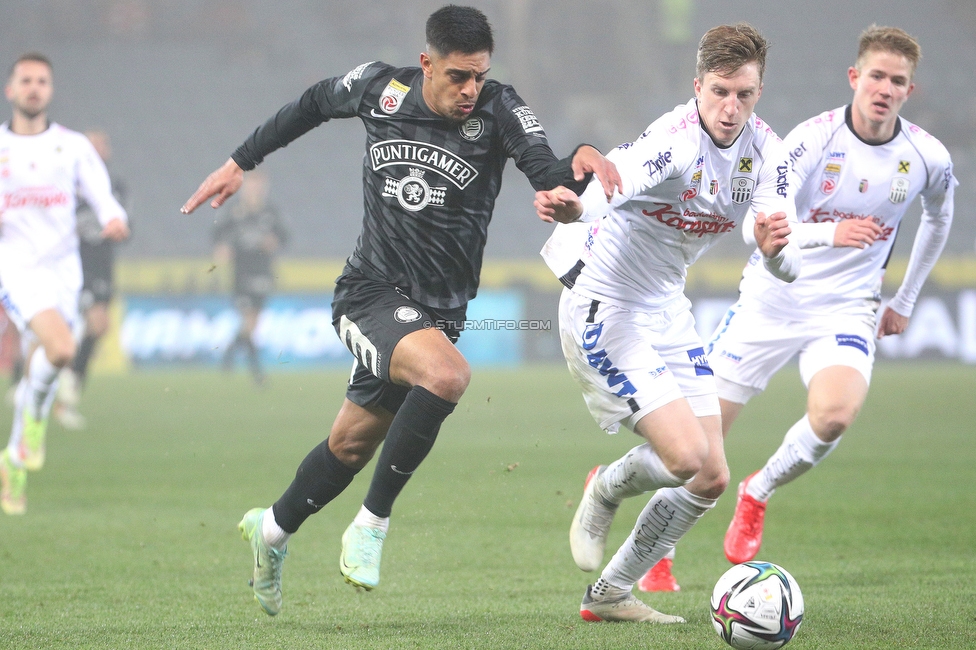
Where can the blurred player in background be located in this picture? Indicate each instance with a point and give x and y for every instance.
(42, 167)
(704, 169)
(856, 169)
(438, 138)
(98, 287)
(249, 235)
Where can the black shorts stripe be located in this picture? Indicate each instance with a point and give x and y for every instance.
(569, 278)
(591, 317)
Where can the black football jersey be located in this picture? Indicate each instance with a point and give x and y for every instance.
(429, 184)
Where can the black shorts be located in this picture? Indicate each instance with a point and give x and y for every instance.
(371, 317)
(97, 262)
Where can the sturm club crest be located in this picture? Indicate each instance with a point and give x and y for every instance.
(472, 129)
(742, 188)
(413, 193)
(407, 314)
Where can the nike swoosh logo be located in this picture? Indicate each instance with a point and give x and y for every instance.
(373, 112)
(394, 468)
(313, 504)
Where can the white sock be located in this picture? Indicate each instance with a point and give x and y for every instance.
(669, 514)
(801, 450)
(41, 378)
(273, 534)
(640, 470)
(366, 518)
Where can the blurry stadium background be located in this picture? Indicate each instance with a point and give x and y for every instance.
(178, 84)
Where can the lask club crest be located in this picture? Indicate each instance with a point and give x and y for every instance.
(742, 188)
(899, 190)
(412, 192)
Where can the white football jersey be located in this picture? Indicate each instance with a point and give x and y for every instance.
(680, 193)
(837, 176)
(40, 177)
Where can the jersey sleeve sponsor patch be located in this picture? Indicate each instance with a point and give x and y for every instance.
(355, 75)
(530, 123)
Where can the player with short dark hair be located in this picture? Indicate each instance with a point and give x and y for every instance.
(438, 137)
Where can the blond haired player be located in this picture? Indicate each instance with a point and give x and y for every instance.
(703, 170)
(856, 169)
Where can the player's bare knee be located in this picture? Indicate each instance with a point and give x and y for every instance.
(448, 379)
(351, 450)
(687, 460)
(830, 424)
(60, 354)
(714, 483)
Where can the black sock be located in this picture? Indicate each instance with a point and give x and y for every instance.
(320, 478)
(409, 440)
(83, 356)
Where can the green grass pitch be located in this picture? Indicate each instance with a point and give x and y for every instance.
(130, 538)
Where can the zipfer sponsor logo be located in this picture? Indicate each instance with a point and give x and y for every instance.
(781, 183)
(657, 164)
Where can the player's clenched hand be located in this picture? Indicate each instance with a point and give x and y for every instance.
(891, 323)
(856, 233)
(116, 230)
(588, 159)
(771, 233)
(223, 182)
(560, 204)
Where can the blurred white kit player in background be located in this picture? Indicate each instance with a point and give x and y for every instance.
(43, 166)
(706, 168)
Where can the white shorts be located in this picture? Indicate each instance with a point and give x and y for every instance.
(25, 292)
(631, 363)
(751, 344)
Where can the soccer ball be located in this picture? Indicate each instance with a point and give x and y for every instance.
(756, 605)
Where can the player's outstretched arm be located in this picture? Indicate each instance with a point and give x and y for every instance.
(223, 182)
(560, 204)
(891, 323)
(587, 159)
(856, 233)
